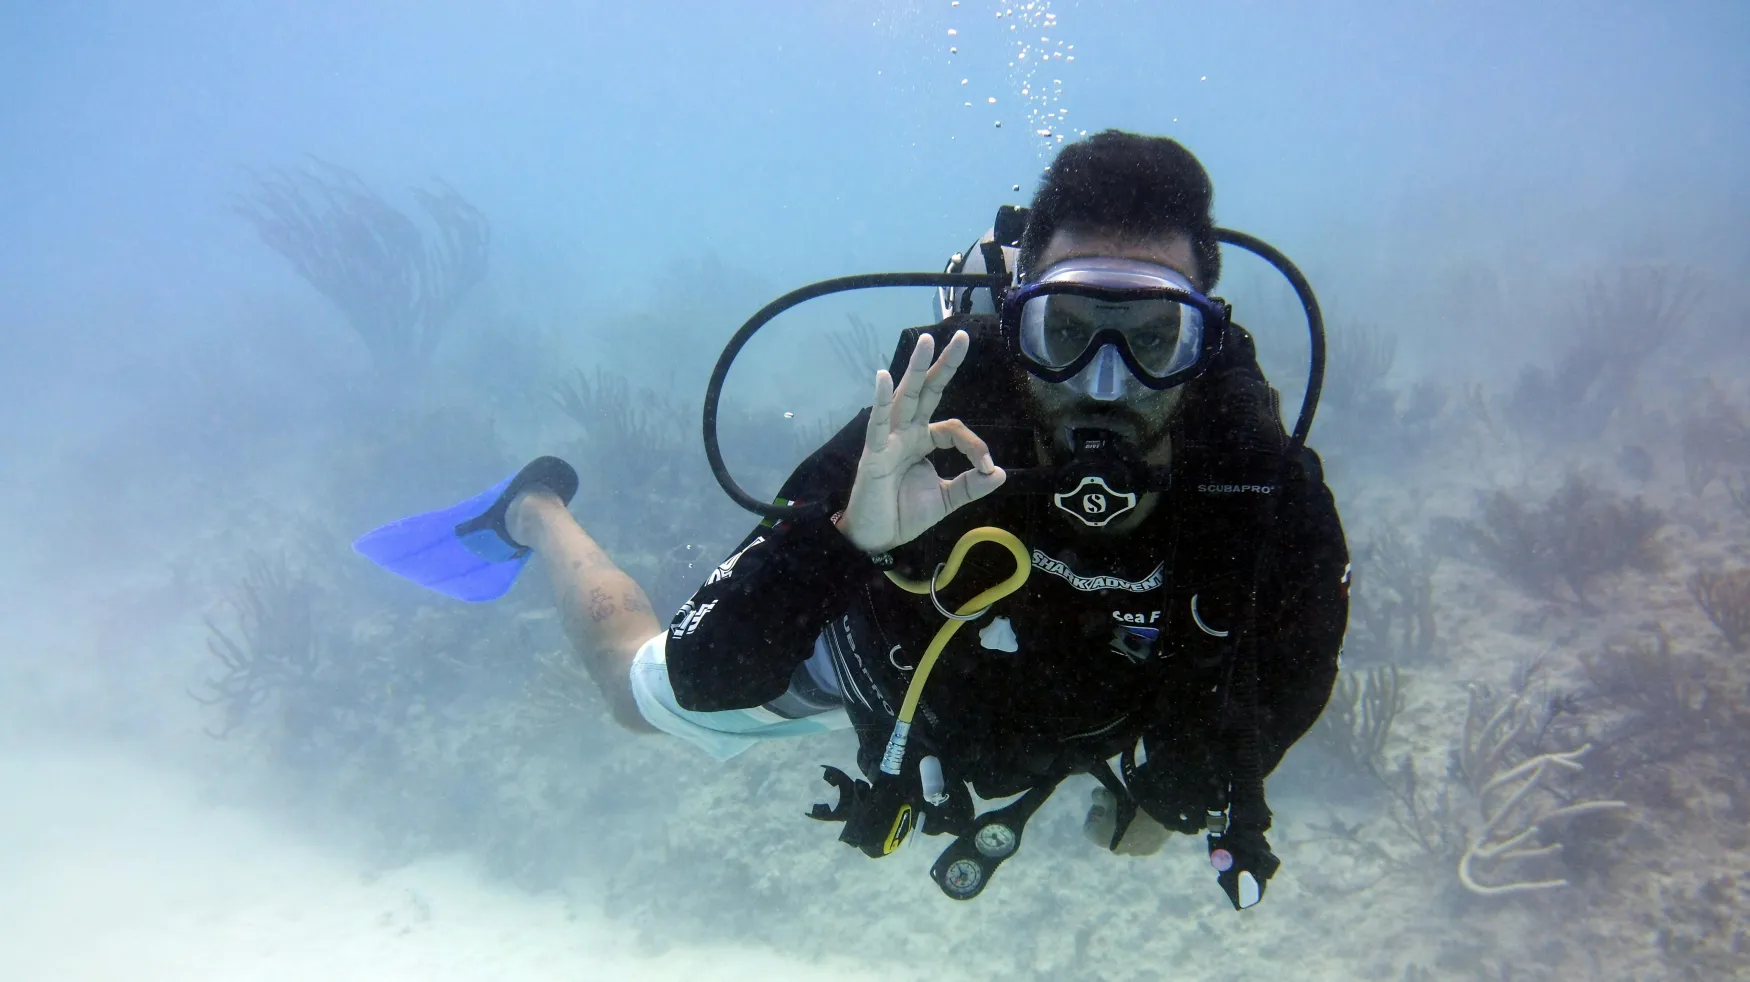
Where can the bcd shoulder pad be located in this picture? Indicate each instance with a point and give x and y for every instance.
(988, 384)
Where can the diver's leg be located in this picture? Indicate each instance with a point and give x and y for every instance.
(605, 613)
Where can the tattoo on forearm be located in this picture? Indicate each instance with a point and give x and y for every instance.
(635, 601)
(600, 605)
(592, 560)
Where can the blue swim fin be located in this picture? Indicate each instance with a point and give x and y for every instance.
(465, 551)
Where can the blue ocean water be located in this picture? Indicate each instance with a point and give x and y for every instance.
(1470, 187)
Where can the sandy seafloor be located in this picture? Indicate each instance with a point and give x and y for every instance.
(116, 871)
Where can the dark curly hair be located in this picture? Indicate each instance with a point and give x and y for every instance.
(1129, 185)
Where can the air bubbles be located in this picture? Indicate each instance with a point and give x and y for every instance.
(1030, 54)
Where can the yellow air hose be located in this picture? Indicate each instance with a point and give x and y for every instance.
(895, 754)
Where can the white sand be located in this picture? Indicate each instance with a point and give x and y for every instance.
(111, 871)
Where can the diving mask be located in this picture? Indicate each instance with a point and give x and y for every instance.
(1104, 325)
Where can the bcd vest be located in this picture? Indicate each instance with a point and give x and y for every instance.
(1227, 465)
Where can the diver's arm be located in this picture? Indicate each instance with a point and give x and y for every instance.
(1302, 635)
(735, 644)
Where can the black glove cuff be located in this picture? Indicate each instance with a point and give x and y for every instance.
(1243, 865)
(1177, 792)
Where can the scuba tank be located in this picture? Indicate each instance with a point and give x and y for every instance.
(994, 254)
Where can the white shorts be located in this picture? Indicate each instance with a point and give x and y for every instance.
(728, 732)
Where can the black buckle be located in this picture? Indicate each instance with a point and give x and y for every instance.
(878, 817)
(1126, 803)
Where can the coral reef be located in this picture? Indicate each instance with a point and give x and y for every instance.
(1725, 599)
(858, 349)
(1362, 415)
(657, 509)
(395, 284)
(1665, 691)
(274, 647)
(1357, 360)
(1620, 321)
(1577, 536)
(1654, 707)
(1356, 725)
(1521, 806)
(653, 509)
(1715, 440)
(620, 423)
(1392, 598)
(405, 451)
(1503, 813)
(1739, 490)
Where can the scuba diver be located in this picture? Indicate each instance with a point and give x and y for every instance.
(1089, 441)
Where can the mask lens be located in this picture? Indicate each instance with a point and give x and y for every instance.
(1163, 335)
(1056, 329)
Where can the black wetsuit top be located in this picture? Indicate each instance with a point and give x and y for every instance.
(1114, 637)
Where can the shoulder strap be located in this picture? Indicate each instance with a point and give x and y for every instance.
(1232, 410)
(989, 390)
